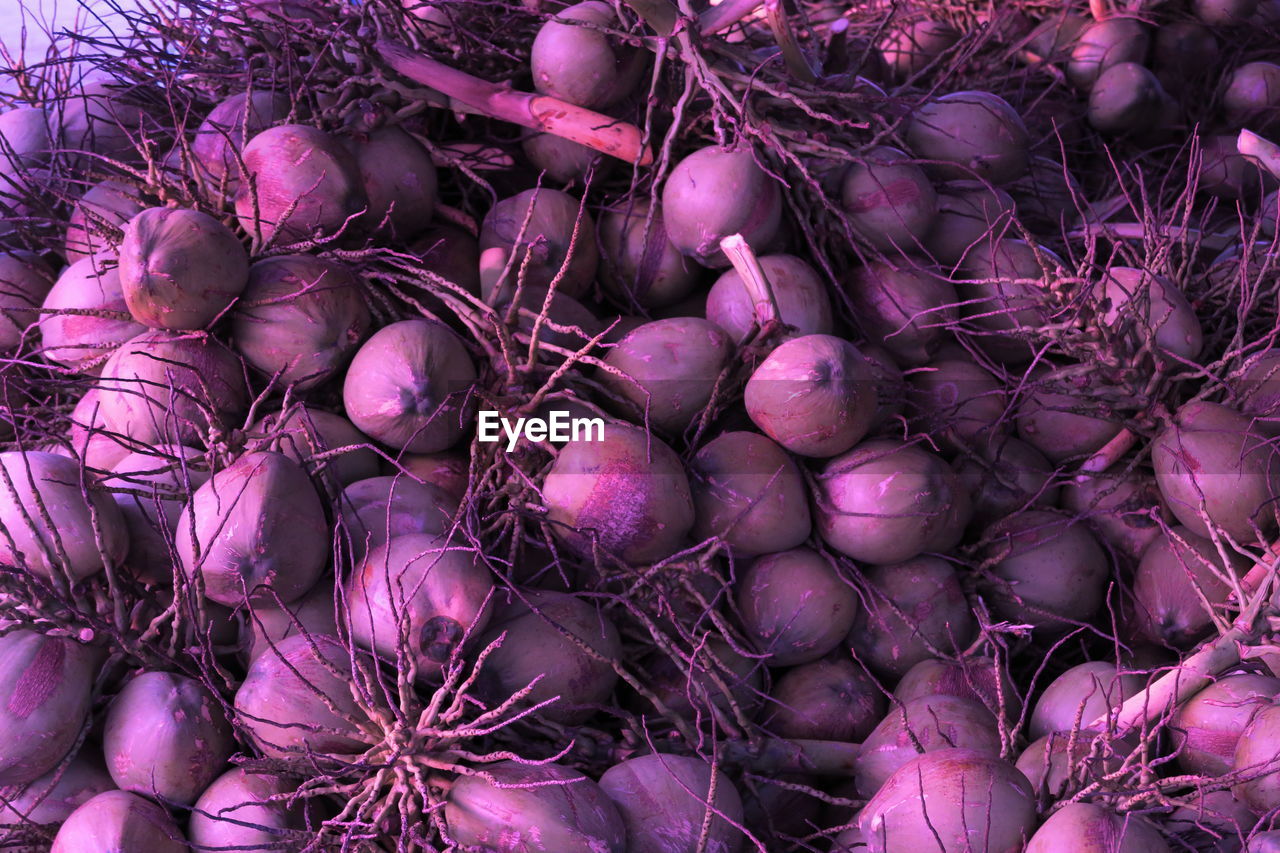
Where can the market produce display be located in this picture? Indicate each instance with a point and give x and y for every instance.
(643, 426)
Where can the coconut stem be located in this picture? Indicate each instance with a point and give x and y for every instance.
(747, 265)
(539, 112)
(1110, 453)
(725, 15)
(776, 755)
(797, 63)
(1266, 152)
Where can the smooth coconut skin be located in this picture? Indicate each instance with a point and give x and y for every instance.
(889, 200)
(1091, 828)
(180, 269)
(1124, 509)
(1004, 476)
(539, 619)
(947, 798)
(300, 319)
(548, 236)
(795, 606)
(1212, 455)
(256, 529)
(379, 508)
(1048, 570)
(628, 494)
(301, 182)
(303, 432)
(75, 339)
(714, 193)
(1206, 729)
(566, 812)
(640, 261)
(45, 693)
(25, 141)
(285, 699)
(426, 587)
(1102, 44)
(968, 212)
(1083, 693)
(110, 202)
(408, 385)
(910, 49)
(929, 723)
(166, 737)
(159, 484)
(1178, 574)
(664, 799)
(906, 308)
(267, 626)
(240, 811)
(956, 400)
(158, 388)
(926, 590)
(799, 292)
(119, 822)
(828, 699)
(580, 64)
(35, 486)
(216, 146)
(670, 369)
(399, 180)
(886, 501)
(980, 679)
(52, 798)
(1064, 422)
(25, 280)
(814, 395)
(971, 134)
(750, 493)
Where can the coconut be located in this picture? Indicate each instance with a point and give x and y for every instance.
(1105, 43)
(1125, 509)
(886, 501)
(1006, 296)
(300, 319)
(571, 679)
(889, 200)
(163, 389)
(1126, 97)
(627, 493)
(242, 810)
(968, 213)
(218, 141)
(664, 801)
(25, 281)
(748, 492)
(84, 315)
(312, 614)
(52, 798)
(399, 181)
(945, 800)
(795, 606)
(553, 218)
(376, 509)
(1179, 575)
(957, 402)
(1206, 729)
(51, 523)
(910, 610)
(96, 216)
(408, 386)
(296, 699)
(713, 679)
(1004, 476)
(1047, 570)
(311, 437)
(798, 291)
(25, 141)
(828, 699)
(180, 269)
(256, 530)
(166, 737)
(639, 261)
(815, 395)
(563, 160)
(1059, 764)
(513, 806)
(1141, 304)
(419, 594)
(1091, 828)
(1079, 696)
(910, 49)
(451, 253)
(1067, 419)
(669, 369)
(118, 821)
(980, 679)
(714, 193)
(1214, 467)
(970, 135)
(302, 184)
(46, 685)
(101, 114)
(927, 724)
(908, 309)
